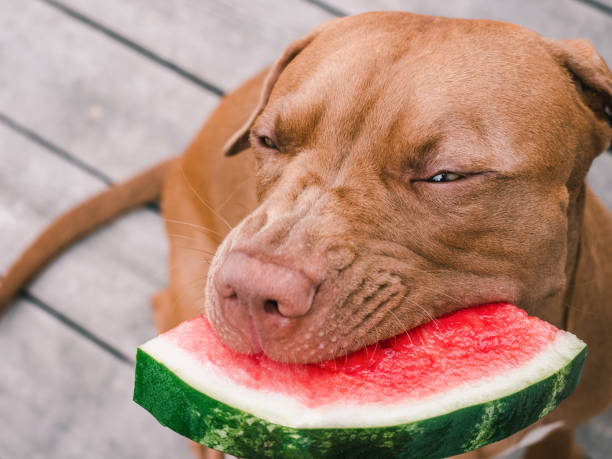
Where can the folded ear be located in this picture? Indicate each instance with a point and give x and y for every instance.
(240, 139)
(590, 73)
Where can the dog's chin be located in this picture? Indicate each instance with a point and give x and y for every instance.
(273, 349)
(286, 355)
(251, 341)
(296, 354)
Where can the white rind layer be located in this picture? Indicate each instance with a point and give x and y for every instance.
(283, 409)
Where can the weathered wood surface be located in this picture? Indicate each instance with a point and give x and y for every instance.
(223, 42)
(118, 86)
(70, 400)
(110, 107)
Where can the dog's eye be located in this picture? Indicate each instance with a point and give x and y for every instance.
(268, 142)
(445, 177)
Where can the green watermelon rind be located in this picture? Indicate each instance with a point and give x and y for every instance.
(205, 420)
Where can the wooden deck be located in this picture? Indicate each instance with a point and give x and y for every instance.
(92, 92)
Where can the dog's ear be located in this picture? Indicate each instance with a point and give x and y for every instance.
(240, 139)
(590, 73)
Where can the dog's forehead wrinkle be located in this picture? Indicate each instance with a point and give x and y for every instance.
(460, 141)
(335, 112)
(403, 96)
(324, 93)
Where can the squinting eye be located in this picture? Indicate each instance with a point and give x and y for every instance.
(268, 142)
(445, 177)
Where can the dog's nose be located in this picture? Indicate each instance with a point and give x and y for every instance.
(270, 287)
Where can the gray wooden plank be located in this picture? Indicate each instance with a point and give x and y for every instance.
(35, 185)
(223, 41)
(597, 435)
(560, 19)
(63, 397)
(104, 282)
(111, 107)
(603, 5)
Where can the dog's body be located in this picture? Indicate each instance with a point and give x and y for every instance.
(395, 163)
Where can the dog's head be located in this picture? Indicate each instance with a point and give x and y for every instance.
(407, 166)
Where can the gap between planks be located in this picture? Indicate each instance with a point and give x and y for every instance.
(606, 9)
(84, 332)
(189, 76)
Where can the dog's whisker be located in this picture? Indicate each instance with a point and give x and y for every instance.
(376, 342)
(427, 313)
(192, 294)
(196, 249)
(176, 266)
(420, 335)
(193, 225)
(182, 236)
(231, 195)
(456, 301)
(195, 281)
(202, 201)
(399, 322)
(429, 318)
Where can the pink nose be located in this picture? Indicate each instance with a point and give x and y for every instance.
(263, 286)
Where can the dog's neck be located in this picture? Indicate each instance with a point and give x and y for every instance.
(589, 241)
(587, 305)
(575, 223)
(589, 248)
(591, 288)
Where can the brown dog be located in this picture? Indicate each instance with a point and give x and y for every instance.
(392, 168)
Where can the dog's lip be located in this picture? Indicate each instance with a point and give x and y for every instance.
(255, 339)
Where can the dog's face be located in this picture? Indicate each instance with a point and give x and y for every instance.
(407, 166)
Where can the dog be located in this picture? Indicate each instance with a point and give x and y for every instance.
(387, 169)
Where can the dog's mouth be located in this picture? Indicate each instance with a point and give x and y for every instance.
(312, 340)
(364, 316)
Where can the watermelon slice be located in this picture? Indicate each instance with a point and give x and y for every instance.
(467, 379)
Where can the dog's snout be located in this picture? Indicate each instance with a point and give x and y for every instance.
(245, 281)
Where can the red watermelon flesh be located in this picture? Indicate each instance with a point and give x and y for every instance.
(462, 346)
